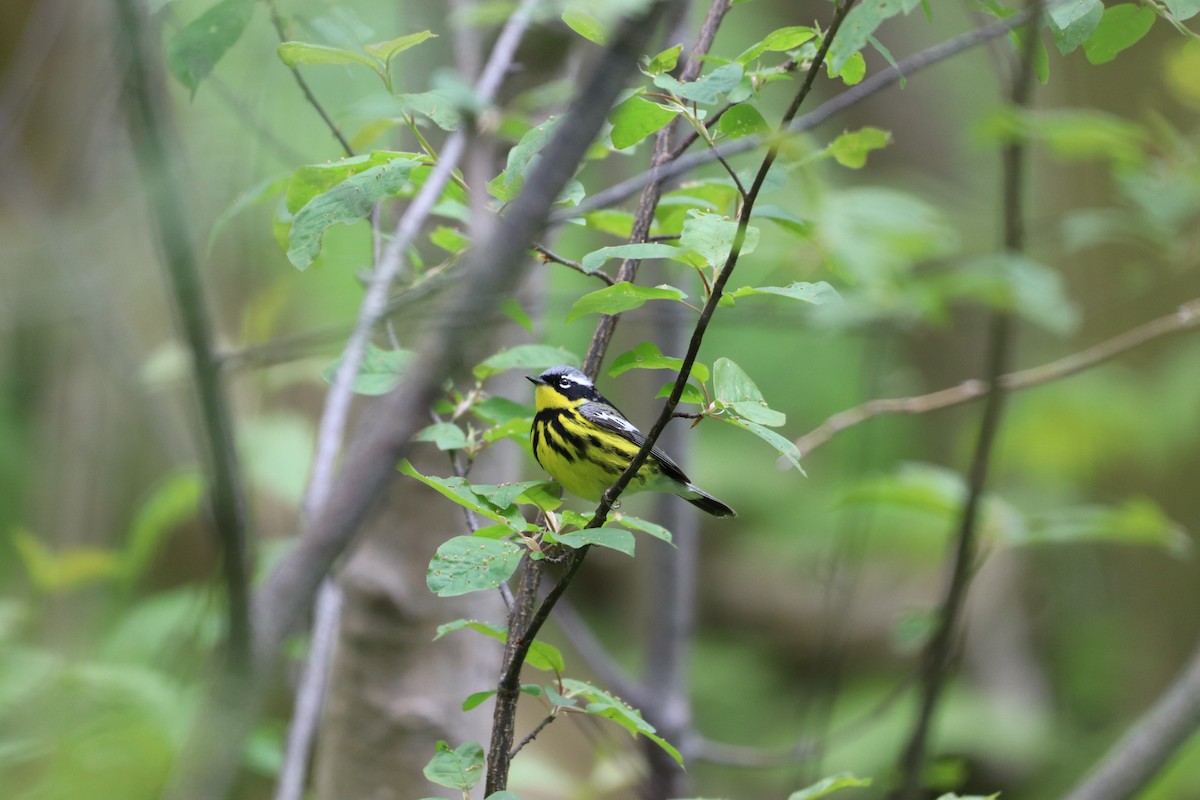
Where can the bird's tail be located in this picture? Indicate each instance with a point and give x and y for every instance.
(706, 502)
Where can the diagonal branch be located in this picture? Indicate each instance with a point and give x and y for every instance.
(1184, 318)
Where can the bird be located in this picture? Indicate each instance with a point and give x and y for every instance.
(584, 442)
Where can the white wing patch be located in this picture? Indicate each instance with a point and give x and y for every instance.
(609, 418)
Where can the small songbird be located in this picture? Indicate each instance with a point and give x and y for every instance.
(585, 443)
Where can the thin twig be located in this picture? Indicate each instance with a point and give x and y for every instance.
(150, 140)
(281, 32)
(1149, 743)
(549, 255)
(936, 656)
(553, 715)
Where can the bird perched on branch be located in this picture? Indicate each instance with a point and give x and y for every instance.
(585, 443)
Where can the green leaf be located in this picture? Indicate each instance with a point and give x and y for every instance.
(451, 240)
(785, 219)
(781, 444)
(1072, 134)
(513, 310)
(637, 118)
(66, 569)
(828, 786)
(737, 392)
(525, 356)
(507, 184)
(446, 435)
(586, 25)
(647, 356)
(709, 89)
(612, 538)
(622, 296)
(638, 524)
(1073, 23)
(953, 796)
(664, 61)
(1121, 27)
(386, 51)
(618, 223)
(460, 768)
(380, 371)
(501, 796)
(602, 704)
(457, 490)
(817, 293)
(859, 25)
(1138, 521)
(1183, 9)
(311, 180)
(777, 40)
(472, 564)
(1014, 283)
(850, 149)
(434, 106)
(742, 120)
(544, 495)
(260, 193)
(277, 449)
(855, 69)
(295, 54)
(198, 46)
(691, 394)
(711, 236)
(351, 200)
(642, 250)
(171, 503)
(541, 655)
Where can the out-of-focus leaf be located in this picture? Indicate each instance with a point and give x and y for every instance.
(471, 564)
(622, 296)
(1031, 290)
(435, 106)
(460, 768)
(1071, 134)
(278, 450)
(710, 89)
(1137, 521)
(295, 54)
(262, 192)
(525, 356)
(711, 237)
(586, 25)
(507, 184)
(664, 61)
(379, 372)
(67, 569)
(1073, 23)
(386, 51)
(198, 46)
(784, 446)
(828, 786)
(851, 149)
(171, 503)
(859, 25)
(778, 40)
(815, 293)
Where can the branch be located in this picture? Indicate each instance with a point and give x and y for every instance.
(852, 96)
(1184, 318)
(548, 255)
(1150, 743)
(150, 143)
(935, 659)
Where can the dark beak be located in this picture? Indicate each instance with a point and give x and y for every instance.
(534, 380)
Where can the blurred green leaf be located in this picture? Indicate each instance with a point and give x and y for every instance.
(642, 250)
(737, 392)
(379, 372)
(637, 118)
(647, 356)
(828, 786)
(311, 180)
(586, 25)
(521, 157)
(261, 193)
(859, 25)
(622, 296)
(198, 46)
(815, 293)
(1071, 134)
(67, 569)
(446, 435)
(460, 768)
(541, 655)
(350, 201)
(525, 356)
(434, 106)
(1137, 521)
(1015, 283)
(472, 564)
(664, 61)
(612, 538)
(785, 219)
(1073, 23)
(386, 51)
(711, 237)
(295, 54)
(1121, 27)
(709, 89)
(851, 149)
(171, 503)
(854, 70)
(780, 39)
(277, 449)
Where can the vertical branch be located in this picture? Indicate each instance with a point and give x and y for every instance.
(935, 661)
(149, 132)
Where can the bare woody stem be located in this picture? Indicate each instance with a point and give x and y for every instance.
(1185, 318)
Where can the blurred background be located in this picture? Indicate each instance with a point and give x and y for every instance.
(811, 607)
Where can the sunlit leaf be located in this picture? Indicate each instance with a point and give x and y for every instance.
(66, 569)
(638, 524)
(782, 445)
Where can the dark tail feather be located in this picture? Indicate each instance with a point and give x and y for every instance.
(706, 502)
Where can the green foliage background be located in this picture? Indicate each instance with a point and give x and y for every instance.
(814, 603)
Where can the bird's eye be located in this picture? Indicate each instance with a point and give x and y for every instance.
(564, 383)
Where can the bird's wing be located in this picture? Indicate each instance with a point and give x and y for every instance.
(608, 417)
